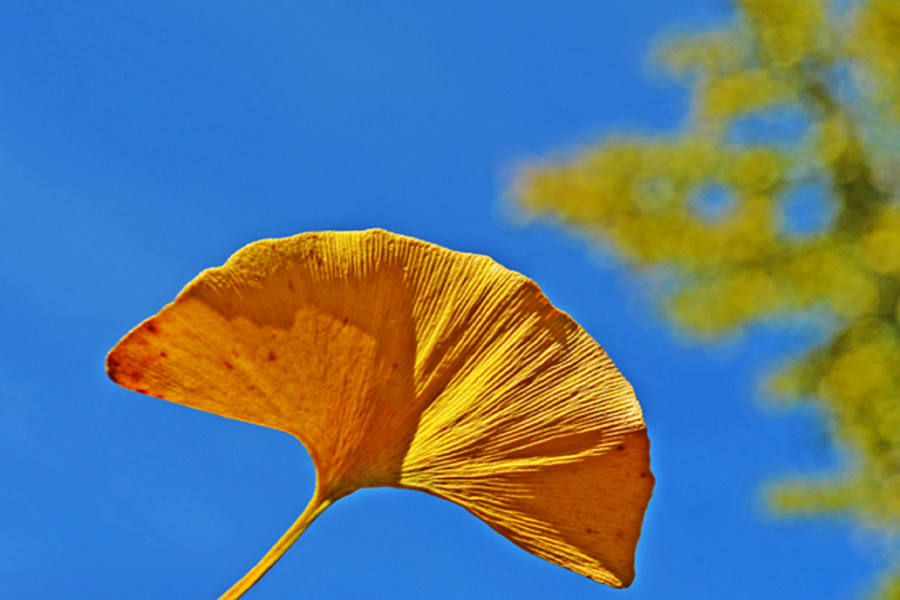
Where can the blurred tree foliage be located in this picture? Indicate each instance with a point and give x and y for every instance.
(779, 197)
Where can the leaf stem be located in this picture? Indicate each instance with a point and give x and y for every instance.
(313, 509)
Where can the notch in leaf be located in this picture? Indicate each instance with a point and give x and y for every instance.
(400, 363)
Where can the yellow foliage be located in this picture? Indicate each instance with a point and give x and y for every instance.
(742, 92)
(875, 41)
(715, 53)
(755, 169)
(881, 245)
(788, 31)
(836, 137)
(400, 363)
(860, 373)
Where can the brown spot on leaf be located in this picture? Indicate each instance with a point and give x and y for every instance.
(163, 355)
(228, 364)
(620, 447)
(151, 328)
(271, 356)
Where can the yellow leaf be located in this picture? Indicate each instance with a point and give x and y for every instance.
(400, 363)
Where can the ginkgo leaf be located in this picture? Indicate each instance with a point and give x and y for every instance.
(400, 363)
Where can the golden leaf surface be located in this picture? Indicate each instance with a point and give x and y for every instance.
(400, 363)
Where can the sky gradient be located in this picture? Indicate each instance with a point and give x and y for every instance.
(143, 142)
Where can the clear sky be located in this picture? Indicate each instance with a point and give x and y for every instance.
(141, 142)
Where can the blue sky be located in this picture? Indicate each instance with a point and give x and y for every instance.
(143, 142)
